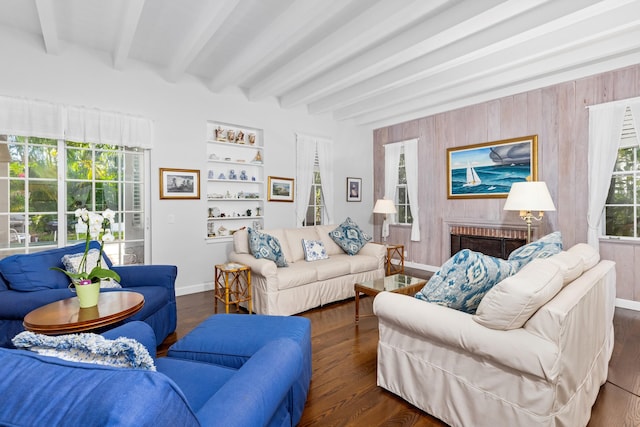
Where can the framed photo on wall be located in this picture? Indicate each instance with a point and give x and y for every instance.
(487, 170)
(354, 189)
(179, 183)
(280, 189)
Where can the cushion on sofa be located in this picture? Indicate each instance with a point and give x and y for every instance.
(331, 246)
(349, 236)
(510, 303)
(464, 279)
(330, 268)
(297, 274)
(314, 250)
(266, 246)
(279, 234)
(72, 262)
(544, 247)
(294, 238)
(358, 263)
(241, 241)
(590, 256)
(88, 348)
(571, 265)
(32, 272)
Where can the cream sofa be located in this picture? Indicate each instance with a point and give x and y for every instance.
(541, 363)
(304, 285)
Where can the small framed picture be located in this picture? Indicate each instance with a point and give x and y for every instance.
(354, 189)
(179, 183)
(280, 189)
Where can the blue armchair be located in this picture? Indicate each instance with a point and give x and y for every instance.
(43, 390)
(27, 282)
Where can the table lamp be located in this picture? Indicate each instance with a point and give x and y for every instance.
(527, 197)
(386, 207)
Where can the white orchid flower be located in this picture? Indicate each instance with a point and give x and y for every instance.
(83, 214)
(107, 236)
(109, 215)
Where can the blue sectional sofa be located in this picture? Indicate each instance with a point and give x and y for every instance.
(261, 391)
(27, 282)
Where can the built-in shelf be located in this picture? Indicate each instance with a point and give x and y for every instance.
(236, 153)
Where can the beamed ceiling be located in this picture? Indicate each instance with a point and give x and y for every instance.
(374, 63)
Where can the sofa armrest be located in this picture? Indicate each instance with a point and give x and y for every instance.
(147, 275)
(137, 330)
(263, 267)
(254, 394)
(517, 349)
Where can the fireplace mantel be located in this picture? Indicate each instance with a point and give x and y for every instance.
(493, 238)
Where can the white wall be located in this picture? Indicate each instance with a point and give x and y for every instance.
(180, 111)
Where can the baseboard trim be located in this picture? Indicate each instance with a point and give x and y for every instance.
(425, 267)
(628, 304)
(194, 289)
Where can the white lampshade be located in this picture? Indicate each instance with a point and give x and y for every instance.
(384, 206)
(529, 196)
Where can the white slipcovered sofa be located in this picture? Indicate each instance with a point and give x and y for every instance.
(304, 285)
(535, 353)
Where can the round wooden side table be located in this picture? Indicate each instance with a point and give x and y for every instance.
(66, 316)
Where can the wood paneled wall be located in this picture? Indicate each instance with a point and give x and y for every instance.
(558, 115)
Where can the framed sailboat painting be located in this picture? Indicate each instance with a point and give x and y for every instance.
(487, 170)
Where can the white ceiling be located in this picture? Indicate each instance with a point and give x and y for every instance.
(371, 62)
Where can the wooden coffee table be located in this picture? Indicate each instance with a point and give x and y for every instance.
(66, 316)
(398, 283)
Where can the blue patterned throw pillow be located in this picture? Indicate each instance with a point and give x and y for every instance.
(88, 348)
(464, 279)
(265, 246)
(314, 250)
(349, 237)
(544, 247)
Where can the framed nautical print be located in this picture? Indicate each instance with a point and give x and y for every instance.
(487, 170)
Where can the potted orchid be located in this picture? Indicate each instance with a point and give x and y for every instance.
(98, 227)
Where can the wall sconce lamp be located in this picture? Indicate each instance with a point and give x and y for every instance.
(386, 207)
(527, 197)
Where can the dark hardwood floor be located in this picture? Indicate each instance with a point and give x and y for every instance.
(343, 387)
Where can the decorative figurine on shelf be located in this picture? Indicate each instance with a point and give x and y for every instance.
(258, 211)
(220, 134)
(231, 135)
(221, 176)
(211, 230)
(211, 175)
(227, 195)
(257, 158)
(252, 138)
(210, 212)
(232, 174)
(240, 137)
(213, 156)
(253, 178)
(248, 212)
(243, 175)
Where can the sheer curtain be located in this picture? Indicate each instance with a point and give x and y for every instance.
(391, 164)
(305, 159)
(605, 128)
(325, 160)
(411, 168)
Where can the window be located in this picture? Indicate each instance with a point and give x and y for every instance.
(402, 196)
(39, 212)
(622, 208)
(316, 201)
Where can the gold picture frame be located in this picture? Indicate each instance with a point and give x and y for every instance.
(487, 170)
(280, 189)
(179, 184)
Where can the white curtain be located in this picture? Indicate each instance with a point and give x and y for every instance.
(391, 165)
(25, 117)
(605, 128)
(46, 120)
(105, 127)
(305, 159)
(325, 163)
(411, 169)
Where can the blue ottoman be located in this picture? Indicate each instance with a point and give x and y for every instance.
(231, 339)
